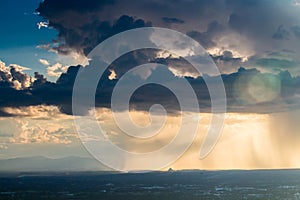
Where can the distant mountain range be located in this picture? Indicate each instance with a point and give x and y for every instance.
(44, 164)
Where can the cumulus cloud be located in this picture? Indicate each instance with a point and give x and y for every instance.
(246, 90)
(37, 124)
(4, 72)
(56, 70)
(38, 134)
(13, 76)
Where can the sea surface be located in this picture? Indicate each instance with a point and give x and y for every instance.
(183, 185)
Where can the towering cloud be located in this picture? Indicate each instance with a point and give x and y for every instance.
(80, 26)
(13, 76)
(250, 30)
(235, 33)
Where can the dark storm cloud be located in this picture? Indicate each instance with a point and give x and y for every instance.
(281, 34)
(296, 31)
(259, 19)
(79, 28)
(172, 20)
(239, 90)
(247, 16)
(84, 38)
(245, 28)
(40, 80)
(227, 61)
(56, 7)
(268, 26)
(5, 114)
(237, 30)
(285, 33)
(206, 38)
(276, 64)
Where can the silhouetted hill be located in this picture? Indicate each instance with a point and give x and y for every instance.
(39, 164)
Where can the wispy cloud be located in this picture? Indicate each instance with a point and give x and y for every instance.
(42, 24)
(44, 62)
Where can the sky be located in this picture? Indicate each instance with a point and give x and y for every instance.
(244, 70)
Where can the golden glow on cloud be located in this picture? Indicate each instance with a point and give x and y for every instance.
(36, 125)
(248, 141)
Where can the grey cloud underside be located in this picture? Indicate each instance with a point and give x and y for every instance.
(281, 34)
(172, 20)
(85, 33)
(286, 33)
(59, 94)
(81, 27)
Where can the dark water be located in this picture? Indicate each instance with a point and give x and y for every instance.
(278, 184)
